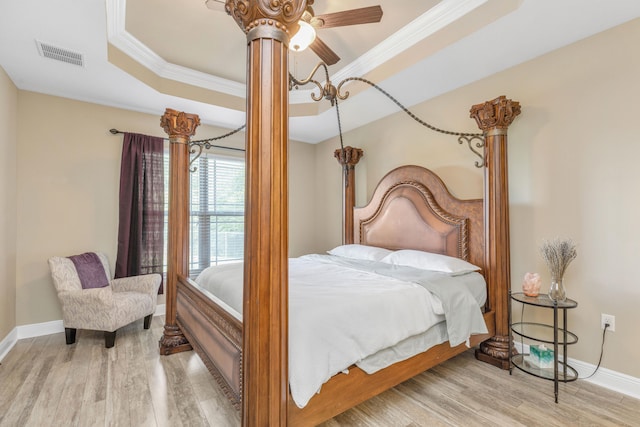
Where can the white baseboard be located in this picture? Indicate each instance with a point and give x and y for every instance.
(612, 380)
(161, 310)
(40, 329)
(616, 381)
(45, 328)
(8, 342)
(28, 331)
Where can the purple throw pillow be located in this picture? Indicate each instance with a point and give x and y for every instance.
(90, 270)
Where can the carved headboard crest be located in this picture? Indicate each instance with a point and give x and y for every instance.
(409, 217)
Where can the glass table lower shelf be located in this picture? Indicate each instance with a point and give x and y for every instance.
(565, 372)
(543, 333)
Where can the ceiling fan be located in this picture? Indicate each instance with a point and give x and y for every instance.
(365, 15)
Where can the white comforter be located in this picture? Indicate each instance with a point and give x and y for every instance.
(339, 314)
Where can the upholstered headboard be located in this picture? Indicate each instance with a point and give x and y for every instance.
(412, 209)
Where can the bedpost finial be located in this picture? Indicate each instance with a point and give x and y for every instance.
(348, 156)
(498, 113)
(179, 124)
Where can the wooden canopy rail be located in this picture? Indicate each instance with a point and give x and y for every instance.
(250, 358)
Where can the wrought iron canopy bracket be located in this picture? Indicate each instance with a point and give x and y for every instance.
(475, 141)
(197, 147)
(477, 148)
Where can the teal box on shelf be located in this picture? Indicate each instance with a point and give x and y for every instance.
(541, 356)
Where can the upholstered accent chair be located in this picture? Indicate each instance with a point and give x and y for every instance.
(105, 304)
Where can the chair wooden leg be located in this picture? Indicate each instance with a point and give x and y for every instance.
(70, 335)
(109, 339)
(147, 321)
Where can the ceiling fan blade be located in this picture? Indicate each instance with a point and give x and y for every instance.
(365, 15)
(325, 53)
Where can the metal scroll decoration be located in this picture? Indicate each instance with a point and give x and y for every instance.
(196, 147)
(475, 141)
(476, 148)
(328, 92)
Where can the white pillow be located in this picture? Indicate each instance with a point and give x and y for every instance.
(356, 251)
(429, 261)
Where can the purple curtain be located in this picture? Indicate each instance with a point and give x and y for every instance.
(141, 226)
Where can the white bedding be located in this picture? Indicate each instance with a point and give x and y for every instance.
(341, 313)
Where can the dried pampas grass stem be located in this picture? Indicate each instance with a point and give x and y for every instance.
(558, 254)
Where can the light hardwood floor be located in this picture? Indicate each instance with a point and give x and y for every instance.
(44, 382)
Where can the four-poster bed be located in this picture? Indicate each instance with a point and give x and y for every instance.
(249, 357)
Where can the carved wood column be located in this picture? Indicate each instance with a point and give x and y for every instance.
(268, 25)
(493, 118)
(180, 127)
(348, 157)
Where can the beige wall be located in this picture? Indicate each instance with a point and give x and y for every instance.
(573, 159)
(302, 206)
(573, 155)
(68, 174)
(8, 143)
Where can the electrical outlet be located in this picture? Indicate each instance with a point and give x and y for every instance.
(608, 319)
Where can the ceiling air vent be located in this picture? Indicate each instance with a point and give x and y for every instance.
(60, 54)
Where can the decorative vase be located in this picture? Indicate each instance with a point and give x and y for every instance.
(556, 290)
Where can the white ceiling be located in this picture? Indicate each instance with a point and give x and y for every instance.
(417, 40)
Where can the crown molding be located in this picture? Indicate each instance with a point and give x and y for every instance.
(427, 24)
(438, 17)
(118, 36)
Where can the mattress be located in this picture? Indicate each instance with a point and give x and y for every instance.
(344, 312)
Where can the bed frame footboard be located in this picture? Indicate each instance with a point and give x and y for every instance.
(343, 392)
(215, 335)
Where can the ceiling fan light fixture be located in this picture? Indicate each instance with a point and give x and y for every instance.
(303, 38)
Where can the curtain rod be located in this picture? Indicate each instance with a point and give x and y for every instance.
(116, 131)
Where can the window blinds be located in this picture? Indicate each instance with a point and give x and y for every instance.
(217, 212)
(216, 229)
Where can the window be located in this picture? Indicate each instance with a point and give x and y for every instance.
(216, 228)
(217, 212)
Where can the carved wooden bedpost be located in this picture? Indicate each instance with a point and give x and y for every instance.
(180, 127)
(348, 157)
(269, 25)
(493, 118)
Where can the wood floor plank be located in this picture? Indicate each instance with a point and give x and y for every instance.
(92, 414)
(216, 407)
(162, 396)
(217, 415)
(45, 382)
(383, 411)
(141, 411)
(27, 394)
(413, 411)
(71, 398)
(50, 394)
(117, 407)
(187, 403)
(14, 370)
